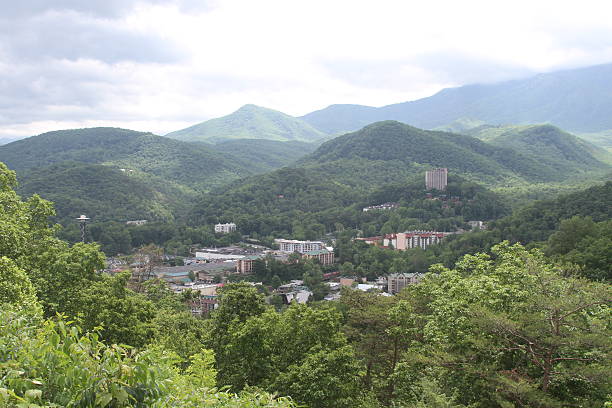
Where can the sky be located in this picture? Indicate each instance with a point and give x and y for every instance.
(163, 65)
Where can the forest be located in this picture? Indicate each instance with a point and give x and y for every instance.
(507, 327)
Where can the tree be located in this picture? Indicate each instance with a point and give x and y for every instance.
(123, 316)
(570, 233)
(276, 282)
(511, 330)
(16, 290)
(313, 279)
(327, 378)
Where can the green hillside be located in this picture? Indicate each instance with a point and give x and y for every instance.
(261, 156)
(102, 193)
(366, 167)
(578, 100)
(148, 155)
(546, 144)
(250, 122)
(404, 147)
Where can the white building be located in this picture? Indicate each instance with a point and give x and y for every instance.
(290, 245)
(136, 222)
(225, 228)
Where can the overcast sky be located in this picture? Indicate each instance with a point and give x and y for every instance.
(162, 65)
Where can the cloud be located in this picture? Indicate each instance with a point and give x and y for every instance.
(159, 65)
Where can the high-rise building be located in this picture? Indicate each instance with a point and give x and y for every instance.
(436, 179)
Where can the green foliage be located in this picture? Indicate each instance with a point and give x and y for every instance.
(103, 193)
(146, 155)
(510, 330)
(260, 155)
(547, 144)
(323, 379)
(250, 122)
(57, 365)
(16, 290)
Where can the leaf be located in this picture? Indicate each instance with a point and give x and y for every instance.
(33, 395)
(103, 400)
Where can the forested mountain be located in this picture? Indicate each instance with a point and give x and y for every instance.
(578, 100)
(103, 193)
(149, 156)
(403, 147)
(260, 155)
(251, 122)
(545, 143)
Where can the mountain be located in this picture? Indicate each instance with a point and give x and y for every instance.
(406, 148)
(579, 100)
(147, 156)
(251, 122)
(103, 193)
(546, 144)
(261, 156)
(384, 161)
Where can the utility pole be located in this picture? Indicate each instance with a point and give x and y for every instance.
(82, 220)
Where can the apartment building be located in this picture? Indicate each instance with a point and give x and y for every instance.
(290, 245)
(436, 179)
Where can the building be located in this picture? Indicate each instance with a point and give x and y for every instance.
(225, 228)
(324, 256)
(385, 206)
(290, 245)
(203, 305)
(370, 240)
(436, 179)
(412, 239)
(136, 222)
(477, 225)
(398, 281)
(245, 265)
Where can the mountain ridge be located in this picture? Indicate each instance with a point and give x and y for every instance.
(250, 122)
(578, 100)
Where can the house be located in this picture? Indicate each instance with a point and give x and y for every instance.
(300, 296)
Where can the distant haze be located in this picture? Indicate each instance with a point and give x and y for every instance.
(164, 65)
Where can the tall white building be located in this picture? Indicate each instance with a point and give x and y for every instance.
(225, 228)
(291, 245)
(436, 179)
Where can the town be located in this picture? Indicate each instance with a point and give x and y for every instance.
(209, 269)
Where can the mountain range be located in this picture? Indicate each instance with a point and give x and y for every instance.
(112, 173)
(233, 152)
(578, 100)
(347, 169)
